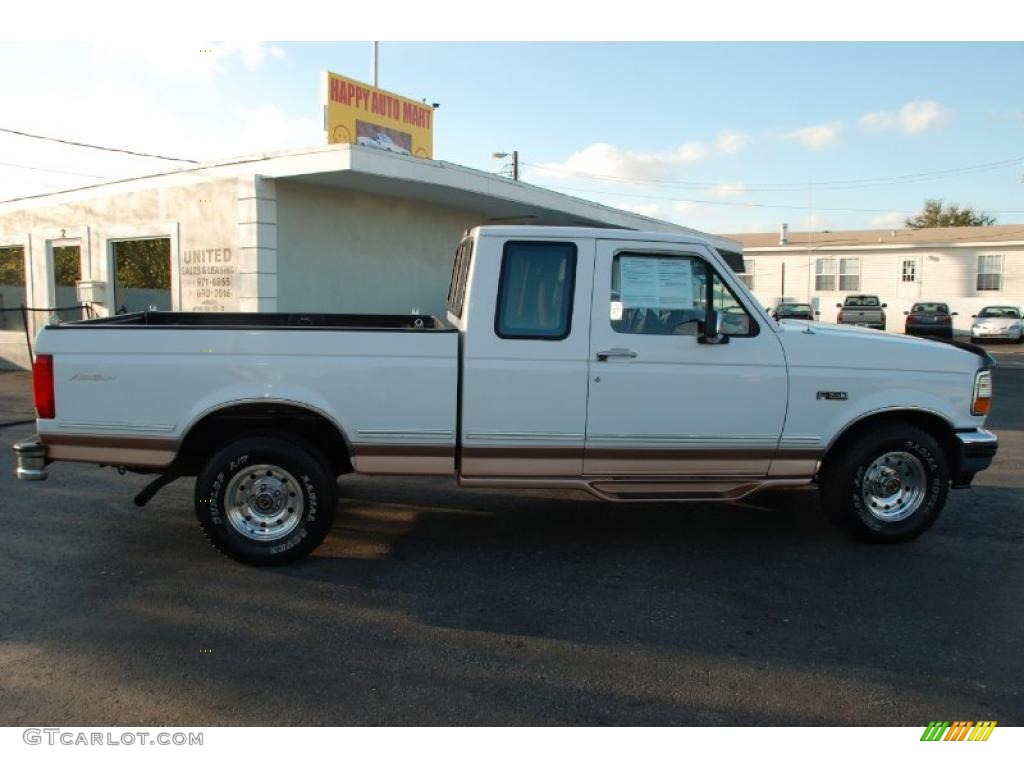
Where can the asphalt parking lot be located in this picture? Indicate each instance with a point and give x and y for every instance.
(428, 605)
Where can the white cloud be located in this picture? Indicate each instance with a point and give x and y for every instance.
(685, 206)
(194, 60)
(728, 189)
(619, 163)
(892, 220)
(731, 142)
(642, 209)
(912, 118)
(918, 116)
(877, 121)
(128, 117)
(817, 137)
(608, 160)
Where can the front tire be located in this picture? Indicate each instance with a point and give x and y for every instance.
(889, 485)
(265, 501)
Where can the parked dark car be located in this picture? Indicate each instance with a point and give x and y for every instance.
(930, 318)
(862, 309)
(788, 310)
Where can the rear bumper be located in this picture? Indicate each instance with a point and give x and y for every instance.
(31, 458)
(945, 331)
(977, 449)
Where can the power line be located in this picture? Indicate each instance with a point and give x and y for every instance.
(96, 146)
(740, 204)
(53, 170)
(910, 178)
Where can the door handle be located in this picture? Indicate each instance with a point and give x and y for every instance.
(614, 352)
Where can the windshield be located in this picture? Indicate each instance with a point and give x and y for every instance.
(862, 301)
(936, 309)
(1000, 312)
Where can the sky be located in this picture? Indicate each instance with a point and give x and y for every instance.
(724, 138)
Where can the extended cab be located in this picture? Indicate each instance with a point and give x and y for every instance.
(634, 366)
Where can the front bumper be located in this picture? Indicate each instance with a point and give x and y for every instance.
(995, 333)
(977, 449)
(31, 458)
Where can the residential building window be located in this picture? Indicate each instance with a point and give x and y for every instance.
(849, 274)
(990, 272)
(909, 271)
(825, 275)
(747, 275)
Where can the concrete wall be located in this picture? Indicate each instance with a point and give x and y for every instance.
(943, 274)
(201, 216)
(342, 251)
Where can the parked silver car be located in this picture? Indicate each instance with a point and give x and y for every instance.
(998, 322)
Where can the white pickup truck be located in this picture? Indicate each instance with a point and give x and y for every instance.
(634, 366)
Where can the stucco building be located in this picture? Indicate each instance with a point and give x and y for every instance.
(337, 228)
(966, 267)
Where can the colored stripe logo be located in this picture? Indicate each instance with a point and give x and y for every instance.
(959, 730)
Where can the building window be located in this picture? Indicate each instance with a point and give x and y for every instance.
(535, 291)
(990, 272)
(825, 275)
(849, 274)
(747, 275)
(142, 275)
(908, 272)
(12, 287)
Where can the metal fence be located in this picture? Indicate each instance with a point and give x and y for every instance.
(29, 320)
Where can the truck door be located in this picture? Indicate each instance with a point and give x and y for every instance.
(525, 358)
(661, 403)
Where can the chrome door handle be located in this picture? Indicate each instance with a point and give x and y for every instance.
(614, 352)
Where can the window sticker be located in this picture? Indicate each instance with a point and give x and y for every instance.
(653, 283)
(616, 313)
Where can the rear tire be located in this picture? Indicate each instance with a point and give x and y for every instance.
(888, 485)
(265, 501)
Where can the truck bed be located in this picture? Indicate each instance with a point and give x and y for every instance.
(265, 320)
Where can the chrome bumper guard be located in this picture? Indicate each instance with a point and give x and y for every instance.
(31, 455)
(977, 449)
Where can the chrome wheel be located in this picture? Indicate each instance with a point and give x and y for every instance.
(894, 486)
(264, 502)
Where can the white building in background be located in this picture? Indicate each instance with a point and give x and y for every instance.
(338, 228)
(966, 267)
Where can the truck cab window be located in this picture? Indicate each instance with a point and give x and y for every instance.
(666, 295)
(535, 291)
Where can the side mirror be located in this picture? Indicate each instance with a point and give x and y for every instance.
(973, 315)
(714, 323)
(953, 314)
(904, 311)
(817, 313)
(839, 306)
(884, 306)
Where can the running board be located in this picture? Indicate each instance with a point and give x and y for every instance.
(645, 488)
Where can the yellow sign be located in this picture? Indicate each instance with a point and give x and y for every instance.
(356, 113)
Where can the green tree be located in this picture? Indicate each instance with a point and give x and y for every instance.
(144, 263)
(935, 214)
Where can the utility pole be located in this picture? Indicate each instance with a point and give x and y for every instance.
(374, 63)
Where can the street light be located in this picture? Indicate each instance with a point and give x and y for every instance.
(515, 161)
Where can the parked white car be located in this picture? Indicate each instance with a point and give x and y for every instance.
(382, 141)
(998, 322)
(590, 359)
